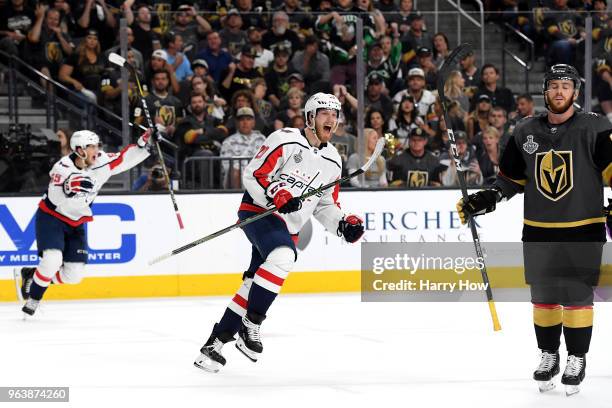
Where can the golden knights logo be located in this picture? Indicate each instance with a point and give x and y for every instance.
(554, 174)
(568, 28)
(167, 115)
(417, 178)
(53, 52)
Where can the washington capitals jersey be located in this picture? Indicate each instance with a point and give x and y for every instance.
(75, 210)
(287, 161)
(560, 168)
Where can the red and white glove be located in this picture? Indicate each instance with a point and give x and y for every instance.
(351, 227)
(148, 137)
(284, 201)
(78, 184)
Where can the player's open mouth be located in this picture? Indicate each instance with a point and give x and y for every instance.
(327, 128)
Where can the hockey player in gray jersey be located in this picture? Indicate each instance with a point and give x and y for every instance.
(560, 160)
(290, 163)
(76, 180)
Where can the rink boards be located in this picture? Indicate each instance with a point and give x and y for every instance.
(129, 230)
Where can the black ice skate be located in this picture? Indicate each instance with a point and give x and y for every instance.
(23, 287)
(574, 373)
(249, 338)
(210, 358)
(548, 368)
(30, 306)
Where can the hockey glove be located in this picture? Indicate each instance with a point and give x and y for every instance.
(478, 203)
(286, 203)
(351, 226)
(78, 184)
(149, 137)
(608, 211)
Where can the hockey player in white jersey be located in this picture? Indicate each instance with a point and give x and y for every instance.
(75, 182)
(290, 163)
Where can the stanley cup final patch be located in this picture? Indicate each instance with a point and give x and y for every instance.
(554, 173)
(530, 146)
(298, 157)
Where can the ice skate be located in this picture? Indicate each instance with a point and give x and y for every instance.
(30, 306)
(23, 280)
(548, 368)
(249, 337)
(574, 373)
(210, 358)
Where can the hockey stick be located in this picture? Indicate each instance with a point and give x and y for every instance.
(122, 62)
(449, 65)
(377, 151)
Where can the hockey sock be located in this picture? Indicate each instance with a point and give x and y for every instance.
(57, 278)
(547, 319)
(577, 328)
(269, 280)
(37, 291)
(232, 318)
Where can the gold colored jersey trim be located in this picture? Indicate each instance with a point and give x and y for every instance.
(564, 224)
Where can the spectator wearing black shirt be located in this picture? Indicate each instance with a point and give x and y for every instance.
(488, 156)
(138, 58)
(165, 108)
(414, 39)
(277, 76)
(252, 16)
(375, 97)
(191, 26)
(415, 167)
(470, 73)
(233, 36)
(382, 67)
(280, 33)
(238, 76)
(17, 18)
(82, 70)
(499, 96)
(313, 65)
(295, 100)
(145, 39)
(96, 15)
(299, 19)
(198, 133)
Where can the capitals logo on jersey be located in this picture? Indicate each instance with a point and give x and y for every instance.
(554, 174)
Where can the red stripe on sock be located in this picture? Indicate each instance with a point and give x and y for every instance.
(577, 307)
(270, 277)
(41, 277)
(59, 279)
(546, 305)
(240, 301)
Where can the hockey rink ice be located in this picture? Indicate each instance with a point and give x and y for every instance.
(328, 350)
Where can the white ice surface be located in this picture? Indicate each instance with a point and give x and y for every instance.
(319, 351)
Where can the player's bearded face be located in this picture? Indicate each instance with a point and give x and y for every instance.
(560, 95)
(325, 124)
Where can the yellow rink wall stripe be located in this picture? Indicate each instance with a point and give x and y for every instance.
(187, 285)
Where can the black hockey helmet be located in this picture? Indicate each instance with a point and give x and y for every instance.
(561, 71)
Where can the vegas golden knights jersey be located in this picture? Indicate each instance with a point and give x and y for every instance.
(562, 170)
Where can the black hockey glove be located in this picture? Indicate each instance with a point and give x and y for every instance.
(608, 211)
(478, 203)
(76, 184)
(351, 226)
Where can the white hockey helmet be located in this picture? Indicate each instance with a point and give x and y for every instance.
(318, 101)
(83, 138)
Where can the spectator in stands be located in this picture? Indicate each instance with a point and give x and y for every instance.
(470, 73)
(295, 99)
(415, 167)
(47, 43)
(300, 21)
(96, 15)
(404, 121)
(416, 88)
(438, 144)
(376, 120)
(392, 54)
(603, 81)
(165, 108)
(253, 16)
(379, 65)
(280, 33)
(376, 175)
(68, 21)
(159, 62)
(233, 37)
(175, 56)
(298, 122)
(138, 58)
(191, 26)
(375, 98)
(499, 96)
(453, 90)
(277, 75)
(478, 119)
(441, 48)
(564, 28)
(388, 8)
(82, 70)
(473, 174)
(244, 143)
(239, 76)
(214, 104)
(349, 106)
(266, 110)
(200, 69)
(17, 18)
(488, 156)
(153, 179)
(425, 62)
(111, 86)
(64, 136)
(198, 133)
(524, 107)
(244, 98)
(380, 24)
(414, 39)
(498, 118)
(217, 59)
(402, 19)
(264, 55)
(343, 141)
(145, 39)
(313, 65)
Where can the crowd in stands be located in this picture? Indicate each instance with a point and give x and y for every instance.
(222, 75)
